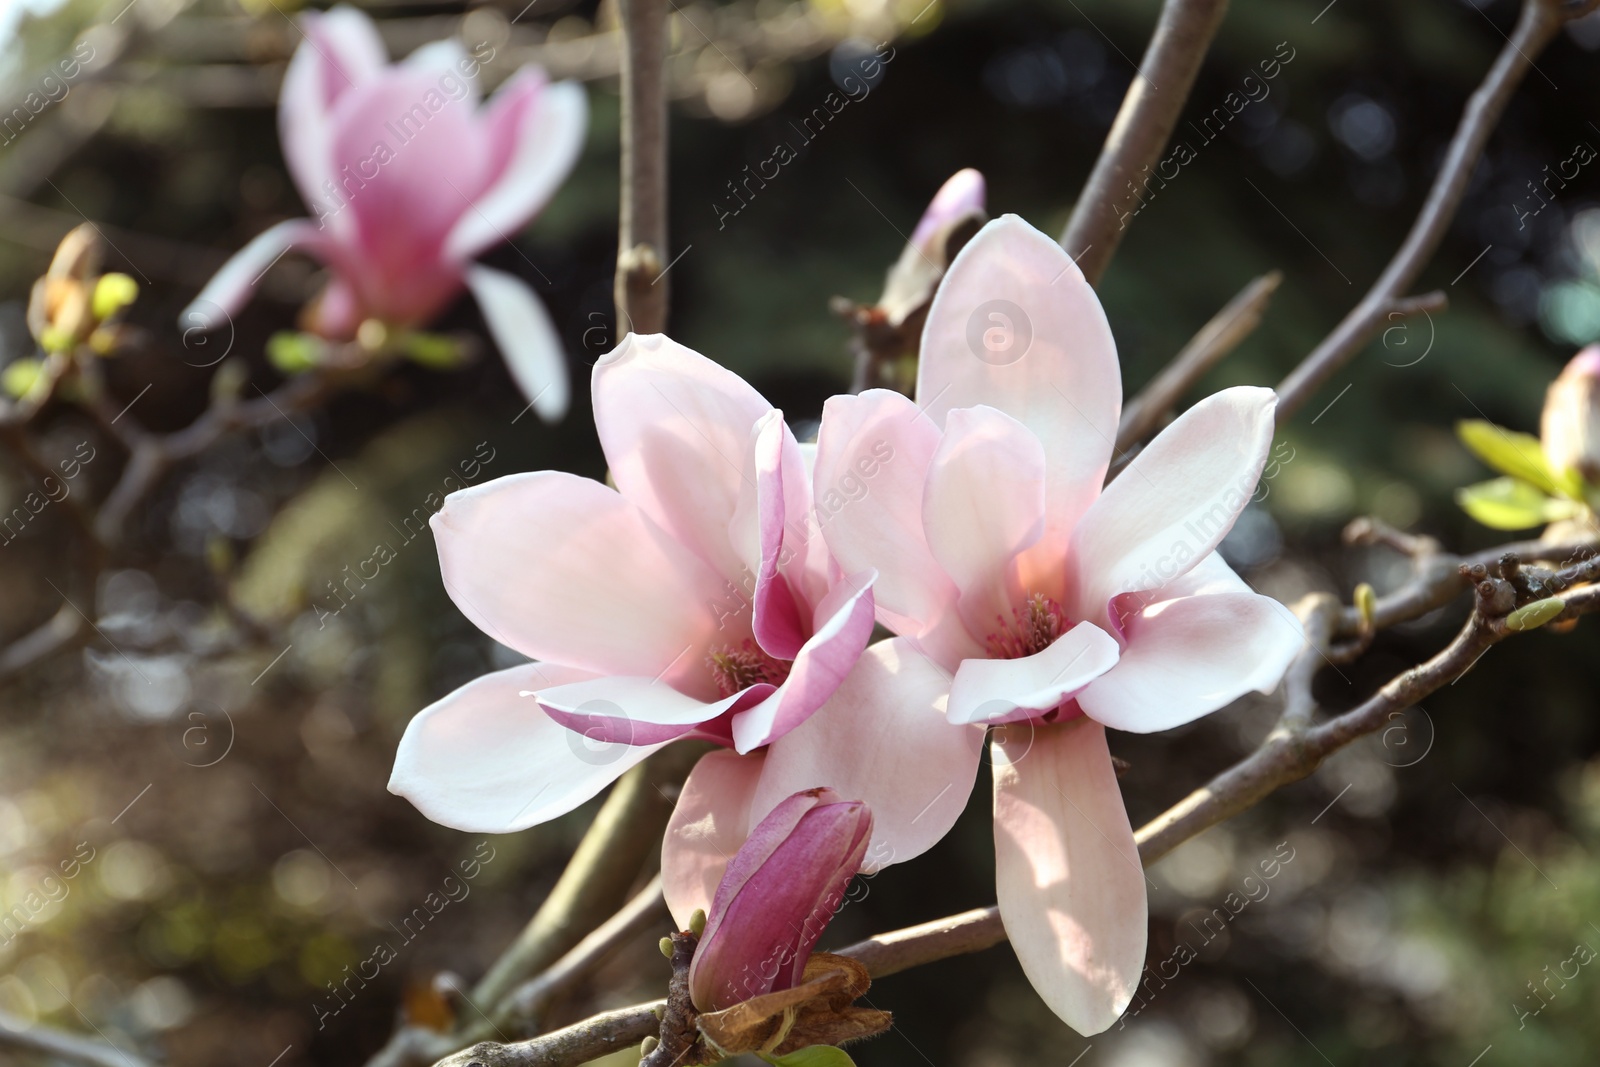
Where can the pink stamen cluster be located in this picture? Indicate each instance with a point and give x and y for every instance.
(1032, 628)
(736, 667)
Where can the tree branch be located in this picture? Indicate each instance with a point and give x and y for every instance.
(589, 891)
(1142, 128)
(530, 1000)
(1537, 24)
(596, 881)
(597, 1036)
(19, 1033)
(641, 285)
(1142, 415)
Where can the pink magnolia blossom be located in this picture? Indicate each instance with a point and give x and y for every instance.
(694, 600)
(1024, 593)
(409, 181)
(777, 896)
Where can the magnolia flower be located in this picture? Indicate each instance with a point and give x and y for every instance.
(410, 181)
(1570, 427)
(1029, 595)
(692, 601)
(778, 895)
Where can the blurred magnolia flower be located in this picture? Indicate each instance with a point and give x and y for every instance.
(1033, 597)
(778, 895)
(694, 600)
(1570, 427)
(409, 180)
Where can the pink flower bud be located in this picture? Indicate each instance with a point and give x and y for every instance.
(961, 195)
(776, 898)
(1570, 428)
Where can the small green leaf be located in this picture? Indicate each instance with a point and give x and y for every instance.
(1532, 616)
(1511, 504)
(433, 350)
(1517, 454)
(20, 376)
(1366, 600)
(813, 1056)
(112, 293)
(293, 352)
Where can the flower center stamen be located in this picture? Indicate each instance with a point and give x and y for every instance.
(1031, 629)
(737, 667)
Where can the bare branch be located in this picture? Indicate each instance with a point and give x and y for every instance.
(1141, 131)
(579, 1043)
(641, 286)
(530, 1000)
(1142, 415)
(575, 928)
(1538, 23)
(954, 935)
(596, 881)
(65, 629)
(19, 1033)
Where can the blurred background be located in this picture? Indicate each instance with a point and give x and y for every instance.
(223, 809)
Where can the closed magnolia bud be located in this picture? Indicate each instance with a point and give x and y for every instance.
(953, 215)
(1570, 428)
(777, 896)
(959, 198)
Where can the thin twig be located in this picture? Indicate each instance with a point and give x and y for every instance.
(56, 1044)
(596, 881)
(579, 1043)
(575, 926)
(1141, 131)
(529, 1002)
(1142, 415)
(641, 285)
(1538, 23)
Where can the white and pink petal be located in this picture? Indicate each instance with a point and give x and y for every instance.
(1187, 657)
(562, 568)
(883, 739)
(675, 428)
(1009, 690)
(842, 626)
(1175, 501)
(1068, 878)
(486, 759)
(873, 455)
(1015, 325)
(709, 823)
